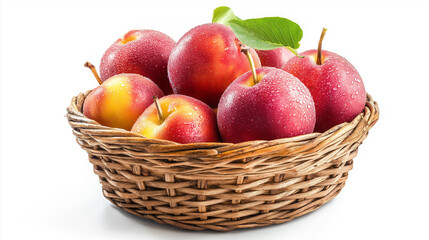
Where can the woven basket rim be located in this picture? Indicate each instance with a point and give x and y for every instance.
(200, 158)
(73, 109)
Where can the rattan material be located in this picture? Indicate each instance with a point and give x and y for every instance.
(220, 186)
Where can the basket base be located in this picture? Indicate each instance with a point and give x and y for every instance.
(253, 221)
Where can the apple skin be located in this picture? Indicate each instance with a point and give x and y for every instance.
(143, 52)
(275, 57)
(279, 106)
(336, 86)
(186, 120)
(205, 61)
(120, 100)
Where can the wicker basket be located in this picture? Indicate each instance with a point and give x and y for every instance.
(220, 186)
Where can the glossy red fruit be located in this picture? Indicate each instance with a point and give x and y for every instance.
(205, 61)
(336, 86)
(185, 120)
(278, 106)
(143, 52)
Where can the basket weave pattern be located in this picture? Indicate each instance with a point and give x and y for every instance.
(220, 186)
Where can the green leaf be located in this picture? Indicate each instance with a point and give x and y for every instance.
(223, 15)
(267, 33)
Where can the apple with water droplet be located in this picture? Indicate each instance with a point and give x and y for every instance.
(143, 52)
(264, 104)
(178, 118)
(336, 86)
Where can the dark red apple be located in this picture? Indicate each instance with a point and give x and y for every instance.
(336, 86)
(143, 52)
(277, 106)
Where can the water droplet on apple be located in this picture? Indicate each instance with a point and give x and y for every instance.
(335, 89)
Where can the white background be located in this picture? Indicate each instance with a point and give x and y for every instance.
(48, 189)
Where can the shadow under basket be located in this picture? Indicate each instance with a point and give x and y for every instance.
(220, 186)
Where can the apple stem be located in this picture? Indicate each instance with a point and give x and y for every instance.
(94, 71)
(246, 51)
(158, 108)
(319, 48)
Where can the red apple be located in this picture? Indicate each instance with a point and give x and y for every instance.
(120, 100)
(143, 52)
(336, 86)
(278, 106)
(275, 57)
(180, 119)
(205, 61)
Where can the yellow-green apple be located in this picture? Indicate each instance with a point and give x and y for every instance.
(120, 100)
(143, 52)
(178, 118)
(336, 86)
(205, 61)
(277, 105)
(275, 57)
